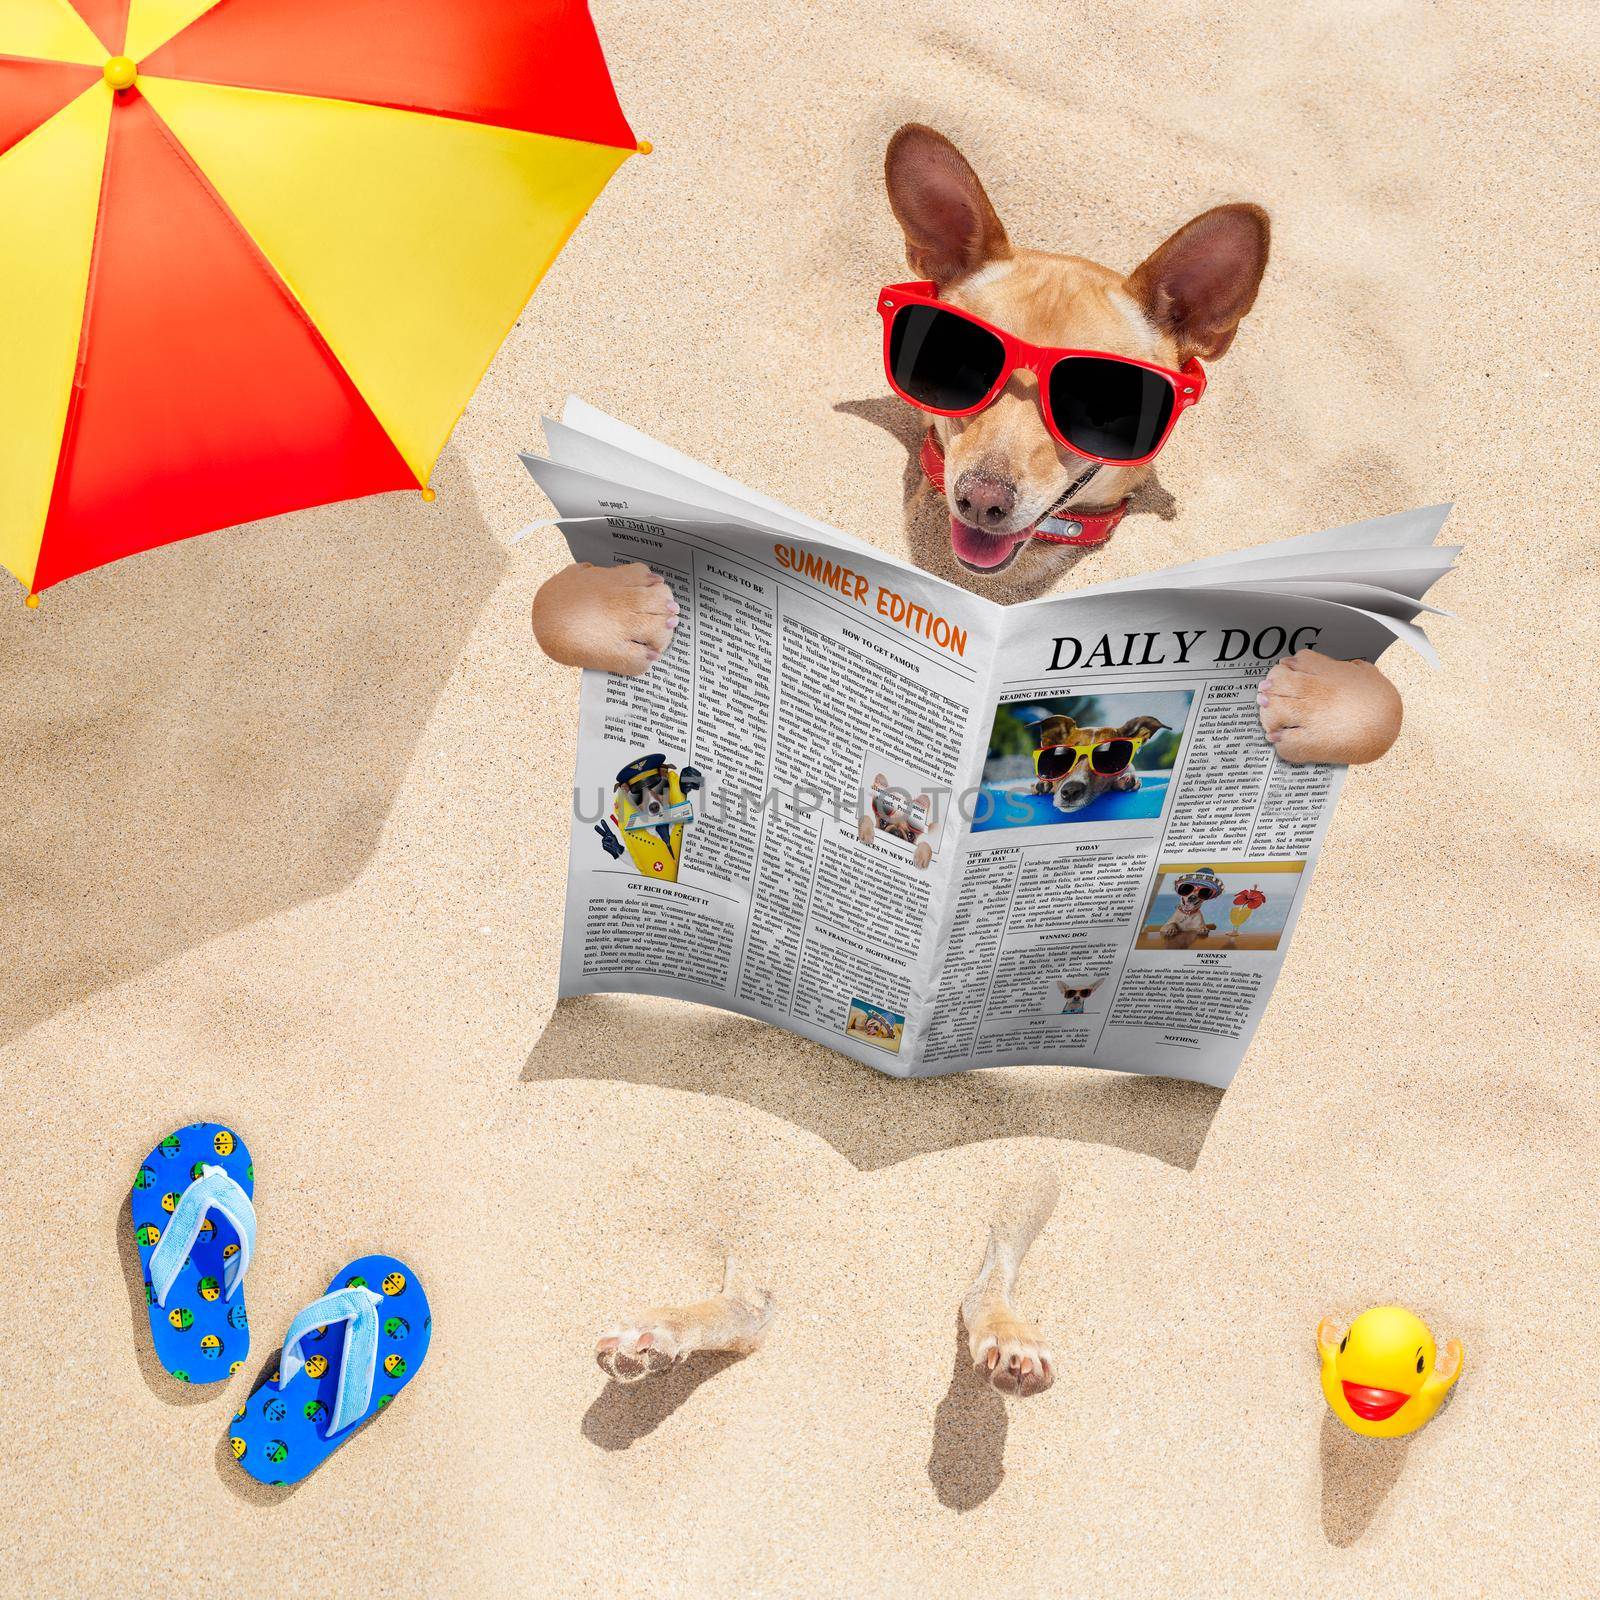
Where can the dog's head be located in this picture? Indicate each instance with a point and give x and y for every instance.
(1004, 471)
(1195, 892)
(1074, 995)
(650, 794)
(1083, 785)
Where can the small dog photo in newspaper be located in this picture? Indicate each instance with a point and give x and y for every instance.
(1074, 996)
(1220, 906)
(897, 809)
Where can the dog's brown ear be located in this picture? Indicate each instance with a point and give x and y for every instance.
(1054, 730)
(1147, 726)
(951, 229)
(1204, 278)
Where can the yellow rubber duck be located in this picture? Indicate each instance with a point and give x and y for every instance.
(1380, 1379)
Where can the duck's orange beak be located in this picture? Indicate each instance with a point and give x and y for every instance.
(1373, 1405)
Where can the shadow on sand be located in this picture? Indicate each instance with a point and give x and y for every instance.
(968, 1459)
(213, 732)
(871, 1120)
(623, 1413)
(1357, 1475)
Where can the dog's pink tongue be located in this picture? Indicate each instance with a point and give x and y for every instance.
(982, 549)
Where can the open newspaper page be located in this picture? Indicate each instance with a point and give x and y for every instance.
(935, 833)
(1137, 855)
(718, 849)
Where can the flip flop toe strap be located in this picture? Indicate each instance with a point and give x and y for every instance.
(213, 1190)
(359, 1364)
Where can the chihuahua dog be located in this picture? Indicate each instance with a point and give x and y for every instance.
(1075, 996)
(1003, 476)
(1187, 926)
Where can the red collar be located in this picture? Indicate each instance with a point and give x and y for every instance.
(1080, 528)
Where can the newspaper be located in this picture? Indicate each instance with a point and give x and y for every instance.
(933, 832)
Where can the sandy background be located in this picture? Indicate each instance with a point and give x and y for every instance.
(284, 840)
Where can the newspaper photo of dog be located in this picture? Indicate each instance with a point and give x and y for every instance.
(897, 807)
(875, 1024)
(1075, 995)
(1226, 905)
(1081, 758)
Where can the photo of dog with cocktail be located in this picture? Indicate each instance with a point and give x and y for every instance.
(1223, 905)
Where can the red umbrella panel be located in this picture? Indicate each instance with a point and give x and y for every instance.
(261, 251)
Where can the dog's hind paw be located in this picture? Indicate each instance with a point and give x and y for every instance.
(1010, 1353)
(1317, 709)
(640, 1346)
(654, 1340)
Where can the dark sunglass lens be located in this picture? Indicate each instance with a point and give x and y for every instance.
(1057, 763)
(1112, 756)
(1109, 408)
(942, 361)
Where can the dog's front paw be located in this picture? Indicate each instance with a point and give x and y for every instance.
(1315, 708)
(1009, 1352)
(866, 829)
(614, 619)
(923, 854)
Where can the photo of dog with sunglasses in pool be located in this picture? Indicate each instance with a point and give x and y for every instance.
(1081, 758)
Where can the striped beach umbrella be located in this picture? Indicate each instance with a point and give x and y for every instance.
(257, 254)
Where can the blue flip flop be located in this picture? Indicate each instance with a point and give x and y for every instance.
(195, 1228)
(346, 1356)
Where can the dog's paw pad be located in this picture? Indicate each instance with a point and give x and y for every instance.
(637, 1349)
(1014, 1358)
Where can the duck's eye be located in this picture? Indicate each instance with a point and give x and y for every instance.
(1419, 1361)
(1343, 1342)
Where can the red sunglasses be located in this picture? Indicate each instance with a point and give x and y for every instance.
(1106, 408)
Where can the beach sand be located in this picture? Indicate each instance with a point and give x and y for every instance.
(285, 838)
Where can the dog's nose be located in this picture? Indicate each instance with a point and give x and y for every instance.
(983, 499)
